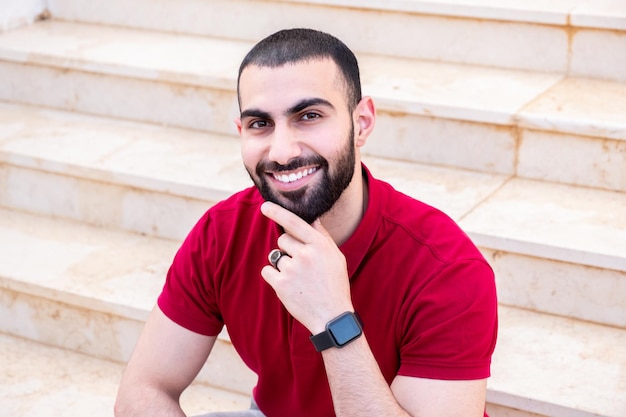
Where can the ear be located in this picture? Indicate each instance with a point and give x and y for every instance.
(238, 124)
(365, 119)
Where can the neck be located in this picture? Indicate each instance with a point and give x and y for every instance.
(343, 219)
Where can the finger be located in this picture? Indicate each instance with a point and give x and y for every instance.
(289, 244)
(270, 275)
(292, 224)
(317, 225)
(282, 262)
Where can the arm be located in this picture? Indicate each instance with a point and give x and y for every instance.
(359, 388)
(165, 361)
(437, 398)
(313, 285)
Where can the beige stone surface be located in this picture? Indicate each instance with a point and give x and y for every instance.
(534, 35)
(448, 90)
(455, 192)
(566, 223)
(114, 272)
(563, 288)
(48, 382)
(609, 14)
(453, 131)
(558, 367)
(567, 158)
(535, 11)
(600, 54)
(580, 106)
(461, 92)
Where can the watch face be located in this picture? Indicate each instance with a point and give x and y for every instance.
(344, 329)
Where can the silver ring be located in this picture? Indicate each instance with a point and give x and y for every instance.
(275, 256)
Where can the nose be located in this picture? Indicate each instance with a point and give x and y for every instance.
(284, 145)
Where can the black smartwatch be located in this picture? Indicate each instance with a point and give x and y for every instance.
(339, 332)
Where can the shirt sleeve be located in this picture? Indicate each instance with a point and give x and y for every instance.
(450, 324)
(189, 297)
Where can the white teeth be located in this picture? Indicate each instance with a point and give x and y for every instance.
(294, 176)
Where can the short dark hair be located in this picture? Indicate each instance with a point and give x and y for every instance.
(296, 45)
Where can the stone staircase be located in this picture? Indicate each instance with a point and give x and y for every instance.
(116, 134)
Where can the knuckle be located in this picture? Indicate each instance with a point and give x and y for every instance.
(282, 239)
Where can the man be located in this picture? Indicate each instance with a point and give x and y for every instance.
(339, 242)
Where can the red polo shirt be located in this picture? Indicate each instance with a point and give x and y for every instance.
(424, 293)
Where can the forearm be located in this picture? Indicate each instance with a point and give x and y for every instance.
(165, 361)
(146, 402)
(356, 383)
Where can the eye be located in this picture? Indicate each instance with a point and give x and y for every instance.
(258, 124)
(310, 116)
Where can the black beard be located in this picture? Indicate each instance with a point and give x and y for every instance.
(310, 203)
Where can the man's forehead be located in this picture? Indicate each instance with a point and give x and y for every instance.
(291, 82)
(301, 71)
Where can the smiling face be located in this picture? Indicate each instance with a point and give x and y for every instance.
(298, 136)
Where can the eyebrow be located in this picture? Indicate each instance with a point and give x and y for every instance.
(255, 113)
(307, 102)
(296, 108)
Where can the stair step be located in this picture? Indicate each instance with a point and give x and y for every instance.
(126, 74)
(158, 181)
(20, 13)
(112, 172)
(509, 115)
(164, 67)
(45, 381)
(139, 177)
(48, 381)
(576, 133)
(571, 224)
(570, 36)
(556, 248)
(557, 367)
(89, 290)
(496, 120)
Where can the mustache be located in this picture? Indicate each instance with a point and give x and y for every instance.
(263, 166)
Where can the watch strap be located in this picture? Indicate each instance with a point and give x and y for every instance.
(322, 341)
(325, 340)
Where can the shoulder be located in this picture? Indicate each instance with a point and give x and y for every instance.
(423, 224)
(243, 201)
(239, 208)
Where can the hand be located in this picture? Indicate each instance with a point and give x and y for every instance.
(312, 282)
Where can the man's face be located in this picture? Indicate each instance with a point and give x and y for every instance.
(297, 135)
